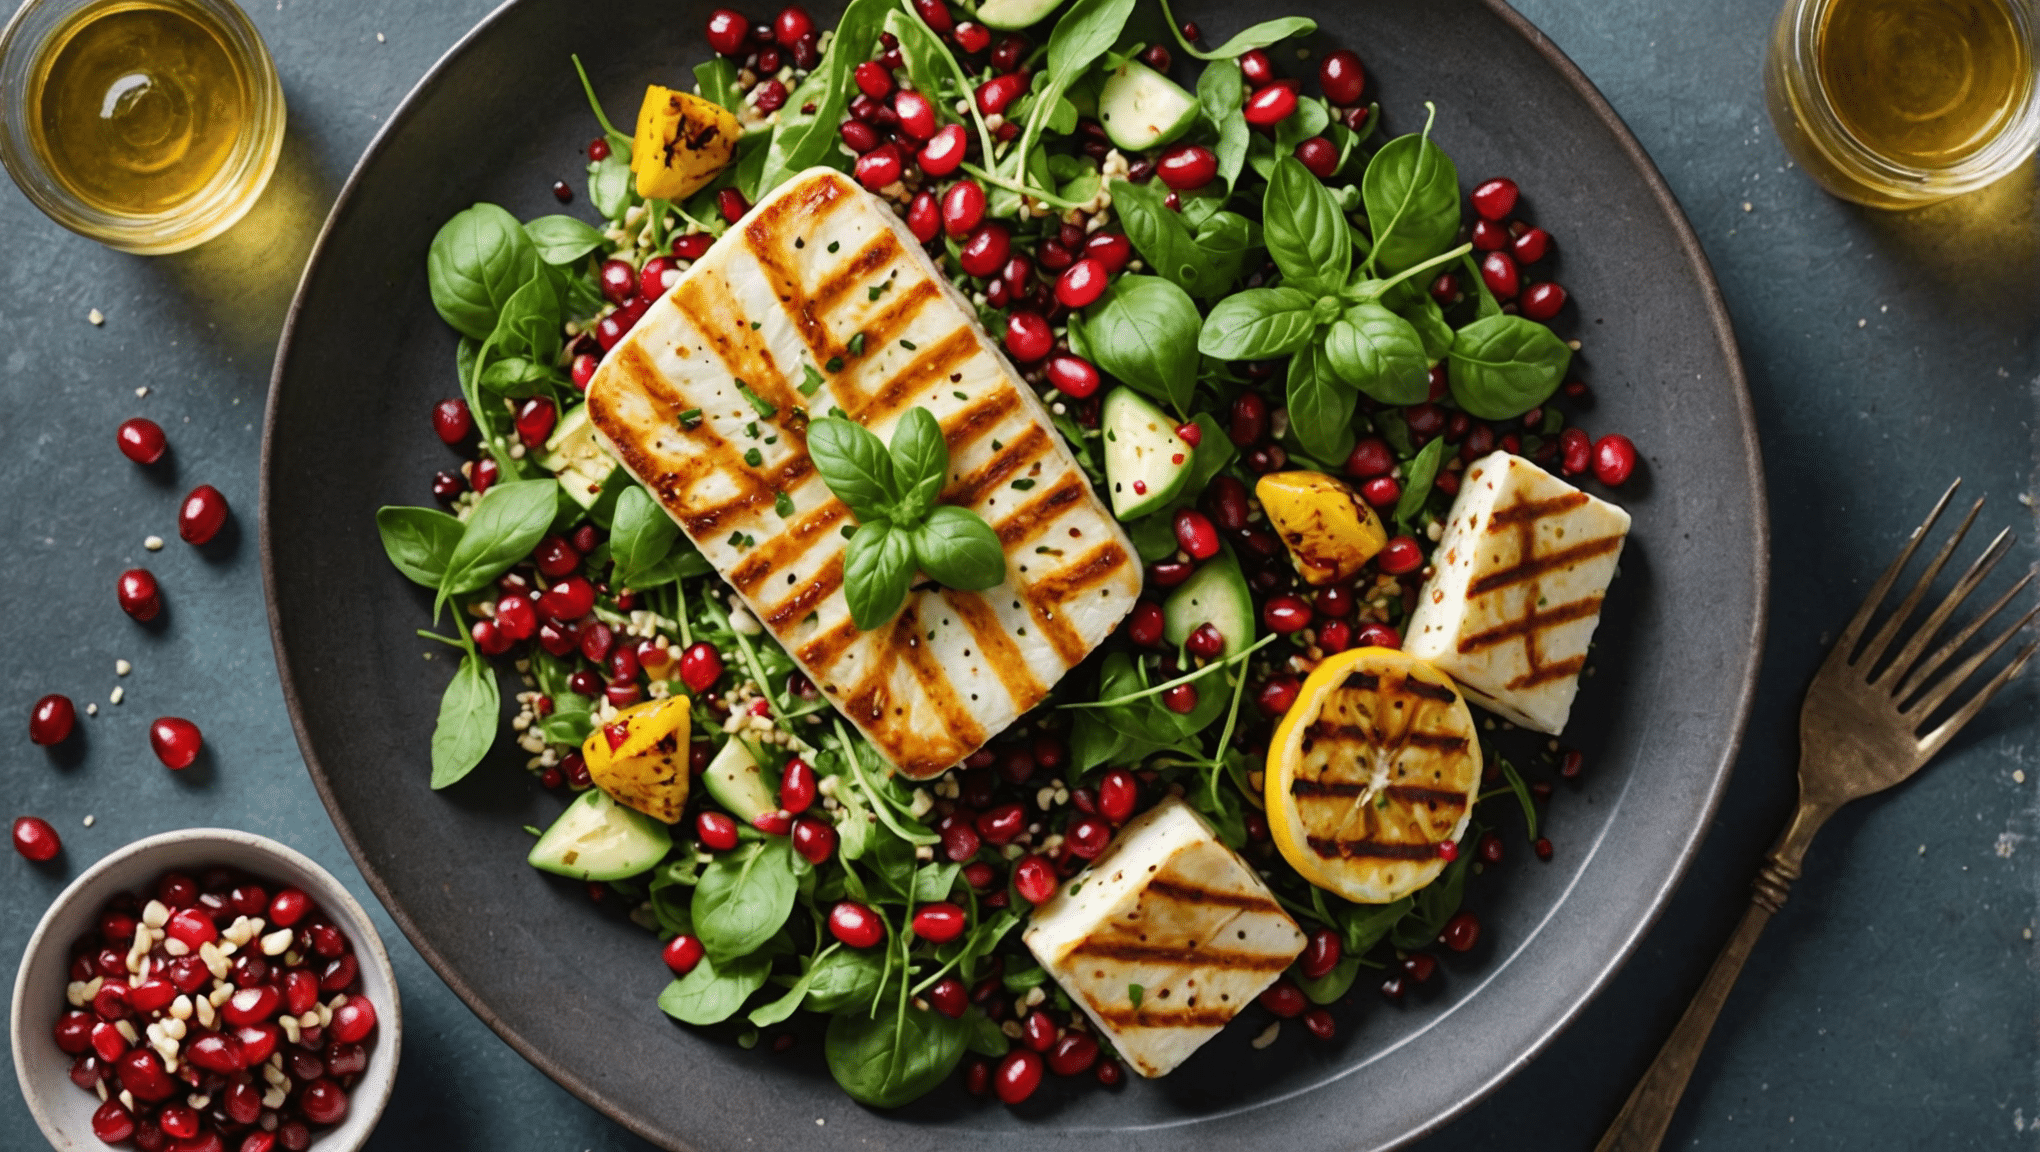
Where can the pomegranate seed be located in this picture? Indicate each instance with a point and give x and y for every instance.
(1187, 167)
(1445, 289)
(51, 720)
(963, 207)
(994, 96)
(1382, 491)
(1028, 337)
(1284, 999)
(717, 830)
(1419, 966)
(215, 1052)
(35, 839)
(1614, 459)
(792, 24)
(1378, 636)
(175, 741)
(960, 842)
(1570, 763)
(1118, 795)
(288, 907)
(1335, 636)
(1072, 376)
(112, 1123)
(700, 666)
(1542, 300)
(535, 419)
(1205, 642)
(1035, 878)
(917, 119)
(1498, 272)
(452, 421)
(1037, 1031)
(1018, 1075)
(138, 594)
(353, 1021)
(1488, 236)
(1182, 699)
(1157, 57)
(1448, 851)
(1320, 156)
(1532, 245)
(814, 839)
(1495, 199)
(192, 927)
(728, 32)
(618, 279)
(948, 996)
(1321, 954)
(1002, 824)
(1271, 105)
(1320, 1024)
(1278, 695)
(1249, 420)
(1399, 556)
(657, 275)
(74, 1032)
(873, 79)
(570, 599)
(1111, 249)
(598, 150)
(141, 1073)
(612, 328)
(1088, 837)
(1489, 850)
(583, 369)
(107, 1042)
(1286, 614)
(1341, 77)
(732, 205)
(178, 1122)
(1169, 573)
(1196, 534)
(985, 253)
(692, 246)
(300, 991)
(489, 639)
(485, 475)
(942, 155)
(939, 923)
(773, 823)
(1011, 49)
(855, 925)
(1257, 68)
(323, 1102)
(971, 37)
(1144, 624)
(141, 440)
(1081, 283)
(682, 953)
(878, 168)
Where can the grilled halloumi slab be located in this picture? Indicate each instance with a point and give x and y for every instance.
(1164, 938)
(820, 299)
(1521, 569)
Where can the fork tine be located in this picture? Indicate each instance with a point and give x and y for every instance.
(1947, 651)
(1938, 694)
(1932, 741)
(1874, 651)
(1854, 631)
(1925, 633)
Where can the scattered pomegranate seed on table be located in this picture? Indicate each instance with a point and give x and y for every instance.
(176, 741)
(35, 839)
(139, 595)
(142, 440)
(51, 720)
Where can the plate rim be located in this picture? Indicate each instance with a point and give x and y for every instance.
(1689, 246)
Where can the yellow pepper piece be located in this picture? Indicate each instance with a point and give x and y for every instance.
(1330, 532)
(640, 757)
(682, 142)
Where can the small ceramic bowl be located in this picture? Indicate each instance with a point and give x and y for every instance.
(63, 1109)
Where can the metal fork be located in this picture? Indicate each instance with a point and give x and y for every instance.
(1859, 733)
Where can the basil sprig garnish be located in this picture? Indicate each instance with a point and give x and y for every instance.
(901, 529)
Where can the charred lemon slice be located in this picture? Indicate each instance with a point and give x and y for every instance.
(1374, 767)
(640, 757)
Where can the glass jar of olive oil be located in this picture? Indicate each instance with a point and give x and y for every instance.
(148, 125)
(1898, 103)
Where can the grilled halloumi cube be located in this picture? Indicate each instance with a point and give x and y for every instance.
(819, 300)
(1164, 938)
(1520, 573)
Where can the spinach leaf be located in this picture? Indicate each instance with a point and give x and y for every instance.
(1417, 481)
(743, 897)
(1221, 97)
(641, 535)
(920, 462)
(1226, 238)
(1144, 331)
(1411, 191)
(418, 541)
(530, 321)
(1086, 30)
(1503, 366)
(855, 465)
(1320, 406)
(1154, 537)
(1432, 906)
(896, 1057)
(611, 187)
(878, 567)
(562, 239)
(932, 882)
(1379, 353)
(1213, 453)
(983, 1035)
(1259, 323)
(958, 549)
(774, 1011)
(516, 377)
(510, 520)
(477, 261)
(1311, 118)
(1327, 989)
(467, 721)
(570, 722)
(1365, 925)
(1305, 231)
(844, 979)
(712, 994)
(1164, 240)
(717, 79)
(805, 139)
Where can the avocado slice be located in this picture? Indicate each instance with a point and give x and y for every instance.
(1215, 594)
(1013, 15)
(1146, 464)
(738, 782)
(575, 455)
(598, 839)
(1142, 109)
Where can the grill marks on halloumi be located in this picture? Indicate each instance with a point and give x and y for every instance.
(789, 291)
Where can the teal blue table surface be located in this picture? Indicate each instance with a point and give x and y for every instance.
(1894, 1003)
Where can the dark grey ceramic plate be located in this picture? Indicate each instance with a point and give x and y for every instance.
(500, 118)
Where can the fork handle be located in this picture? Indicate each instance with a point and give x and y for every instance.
(1640, 1126)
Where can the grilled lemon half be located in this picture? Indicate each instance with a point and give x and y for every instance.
(1374, 768)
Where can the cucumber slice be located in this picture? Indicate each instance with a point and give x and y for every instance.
(1215, 594)
(1141, 108)
(598, 839)
(1013, 15)
(1145, 463)
(738, 783)
(576, 455)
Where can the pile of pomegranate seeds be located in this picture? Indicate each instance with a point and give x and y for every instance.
(215, 1017)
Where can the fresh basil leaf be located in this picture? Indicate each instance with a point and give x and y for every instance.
(1320, 406)
(1503, 366)
(611, 187)
(1425, 315)
(777, 1011)
(562, 239)
(479, 259)
(743, 898)
(508, 522)
(717, 80)
(958, 549)
(1259, 323)
(419, 541)
(1214, 452)
(467, 721)
(804, 139)
(878, 566)
(1417, 481)
(640, 536)
(1311, 118)
(1411, 190)
(530, 321)
(711, 994)
(1221, 97)
(1378, 352)
(894, 1056)
(845, 979)
(855, 465)
(1226, 238)
(920, 463)
(1259, 36)
(1164, 240)
(515, 377)
(1144, 331)
(1305, 232)
(567, 724)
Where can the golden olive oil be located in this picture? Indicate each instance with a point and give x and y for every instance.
(135, 106)
(1923, 83)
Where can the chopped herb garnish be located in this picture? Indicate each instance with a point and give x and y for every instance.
(810, 380)
(757, 324)
(879, 289)
(856, 345)
(960, 395)
(1023, 484)
(835, 364)
(996, 446)
(783, 504)
(751, 429)
(909, 345)
(690, 419)
(765, 408)
(1134, 992)
(834, 245)
(772, 440)
(753, 457)
(736, 539)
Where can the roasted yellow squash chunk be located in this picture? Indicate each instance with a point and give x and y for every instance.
(682, 142)
(1371, 772)
(640, 757)
(1329, 530)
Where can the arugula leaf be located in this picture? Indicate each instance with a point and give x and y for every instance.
(1086, 30)
(1411, 190)
(1305, 231)
(743, 897)
(562, 239)
(895, 1057)
(1320, 406)
(478, 260)
(804, 139)
(419, 541)
(717, 80)
(1144, 331)
(711, 994)
(1417, 481)
(1259, 323)
(958, 549)
(467, 721)
(920, 463)
(611, 187)
(1379, 353)
(878, 566)
(1503, 366)
(505, 526)
(855, 465)
(1259, 36)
